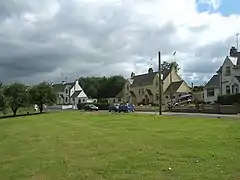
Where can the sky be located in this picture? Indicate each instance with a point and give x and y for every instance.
(49, 40)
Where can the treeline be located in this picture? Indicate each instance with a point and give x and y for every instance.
(102, 87)
(16, 95)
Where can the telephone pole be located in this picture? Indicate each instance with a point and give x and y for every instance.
(237, 40)
(160, 83)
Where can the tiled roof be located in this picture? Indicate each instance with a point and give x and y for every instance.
(149, 92)
(147, 79)
(61, 87)
(238, 78)
(76, 93)
(213, 82)
(173, 86)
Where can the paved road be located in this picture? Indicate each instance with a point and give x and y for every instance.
(176, 114)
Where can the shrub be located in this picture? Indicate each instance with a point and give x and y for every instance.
(229, 99)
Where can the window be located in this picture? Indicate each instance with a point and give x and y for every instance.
(228, 70)
(114, 100)
(79, 101)
(228, 91)
(210, 92)
(142, 91)
(157, 97)
(127, 87)
(83, 100)
(179, 95)
(66, 99)
(173, 97)
(139, 91)
(66, 91)
(166, 97)
(156, 83)
(235, 89)
(119, 99)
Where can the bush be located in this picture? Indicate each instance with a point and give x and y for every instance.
(101, 106)
(229, 99)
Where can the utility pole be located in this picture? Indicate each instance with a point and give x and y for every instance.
(237, 40)
(160, 83)
(172, 64)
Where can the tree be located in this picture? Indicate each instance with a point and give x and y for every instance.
(42, 94)
(3, 104)
(102, 87)
(167, 65)
(16, 96)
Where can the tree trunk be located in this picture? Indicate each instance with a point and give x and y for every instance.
(14, 110)
(41, 108)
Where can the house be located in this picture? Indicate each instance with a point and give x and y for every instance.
(63, 92)
(227, 79)
(77, 94)
(69, 93)
(144, 88)
(115, 97)
(211, 89)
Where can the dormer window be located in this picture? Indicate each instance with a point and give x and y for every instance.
(228, 70)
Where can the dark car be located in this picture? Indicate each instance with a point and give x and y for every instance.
(113, 107)
(90, 107)
(126, 107)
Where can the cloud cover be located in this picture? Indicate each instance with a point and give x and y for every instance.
(40, 40)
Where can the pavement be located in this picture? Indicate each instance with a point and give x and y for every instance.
(193, 114)
(174, 114)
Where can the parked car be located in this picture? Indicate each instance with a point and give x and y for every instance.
(126, 107)
(113, 107)
(90, 107)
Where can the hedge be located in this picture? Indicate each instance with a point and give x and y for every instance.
(101, 106)
(229, 99)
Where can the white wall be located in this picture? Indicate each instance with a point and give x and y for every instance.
(211, 98)
(229, 83)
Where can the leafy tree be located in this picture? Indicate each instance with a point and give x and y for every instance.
(167, 65)
(102, 87)
(3, 104)
(42, 94)
(16, 95)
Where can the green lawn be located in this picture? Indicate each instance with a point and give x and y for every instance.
(74, 145)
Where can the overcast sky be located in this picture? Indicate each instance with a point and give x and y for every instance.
(40, 40)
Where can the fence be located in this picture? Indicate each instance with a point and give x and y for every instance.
(211, 109)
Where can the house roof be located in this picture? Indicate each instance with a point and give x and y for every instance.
(61, 87)
(149, 92)
(213, 82)
(234, 60)
(147, 79)
(174, 86)
(238, 78)
(76, 93)
(120, 94)
(132, 93)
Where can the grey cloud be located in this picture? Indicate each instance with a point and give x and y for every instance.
(83, 39)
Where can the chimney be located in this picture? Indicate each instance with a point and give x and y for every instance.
(150, 70)
(132, 74)
(233, 52)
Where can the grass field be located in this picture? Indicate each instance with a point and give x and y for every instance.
(74, 145)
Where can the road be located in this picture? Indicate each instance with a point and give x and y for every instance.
(176, 114)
